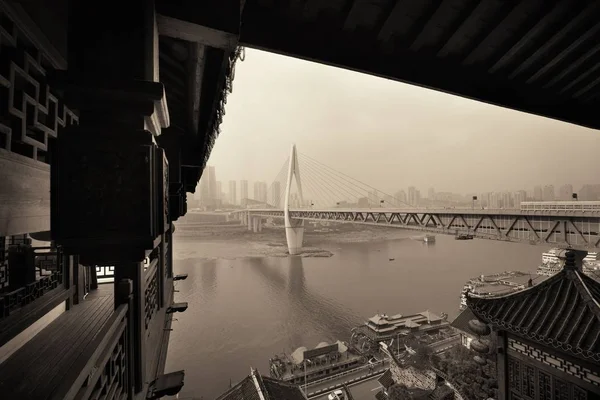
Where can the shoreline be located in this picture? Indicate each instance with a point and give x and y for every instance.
(212, 241)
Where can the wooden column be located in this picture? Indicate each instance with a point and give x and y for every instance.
(108, 196)
(124, 295)
(134, 273)
(502, 365)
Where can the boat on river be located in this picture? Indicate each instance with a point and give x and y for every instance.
(463, 236)
(325, 360)
(429, 239)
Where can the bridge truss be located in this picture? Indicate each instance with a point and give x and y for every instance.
(575, 231)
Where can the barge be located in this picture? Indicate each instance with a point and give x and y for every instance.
(304, 366)
(426, 327)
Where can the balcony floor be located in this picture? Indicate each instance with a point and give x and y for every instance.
(50, 363)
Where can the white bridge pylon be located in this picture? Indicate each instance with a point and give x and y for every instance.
(294, 228)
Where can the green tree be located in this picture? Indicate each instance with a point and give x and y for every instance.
(398, 392)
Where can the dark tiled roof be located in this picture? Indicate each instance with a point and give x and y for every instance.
(462, 321)
(386, 380)
(282, 391)
(272, 388)
(562, 312)
(245, 390)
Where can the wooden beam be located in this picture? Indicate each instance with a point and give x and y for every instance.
(24, 195)
(179, 29)
(263, 30)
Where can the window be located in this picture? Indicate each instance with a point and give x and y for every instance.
(544, 386)
(561, 390)
(514, 374)
(528, 381)
(579, 394)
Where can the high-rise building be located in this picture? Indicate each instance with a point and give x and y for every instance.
(519, 196)
(212, 183)
(260, 191)
(565, 192)
(401, 198)
(548, 194)
(243, 191)
(218, 191)
(232, 192)
(538, 194)
(506, 200)
(276, 195)
(413, 196)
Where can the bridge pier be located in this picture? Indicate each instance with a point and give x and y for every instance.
(248, 221)
(294, 234)
(294, 228)
(256, 224)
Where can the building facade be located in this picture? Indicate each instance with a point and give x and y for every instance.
(548, 337)
(233, 193)
(243, 190)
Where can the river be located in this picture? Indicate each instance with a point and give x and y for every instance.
(244, 310)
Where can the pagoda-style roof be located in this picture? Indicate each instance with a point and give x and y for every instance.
(562, 312)
(386, 380)
(462, 321)
(254, 384)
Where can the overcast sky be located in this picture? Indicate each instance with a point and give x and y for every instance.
(389, 134)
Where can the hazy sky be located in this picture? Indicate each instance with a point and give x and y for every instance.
(389, 134)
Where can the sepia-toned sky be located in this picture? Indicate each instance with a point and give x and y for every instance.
(390, 135)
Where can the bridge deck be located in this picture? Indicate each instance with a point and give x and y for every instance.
(569, 229)
(48, 362)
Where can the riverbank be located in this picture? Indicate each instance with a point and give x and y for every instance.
(213, 241)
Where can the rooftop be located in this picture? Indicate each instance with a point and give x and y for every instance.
(462, 321)
(253, 385)
(563, 312)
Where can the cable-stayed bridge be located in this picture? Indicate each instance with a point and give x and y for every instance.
(308, 190)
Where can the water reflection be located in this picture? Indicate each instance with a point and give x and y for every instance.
(245, 310)
(324, 314)
(297, 281)
(208, 277)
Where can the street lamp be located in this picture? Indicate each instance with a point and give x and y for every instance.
(574, 196)
(474, 200)
(381, 203)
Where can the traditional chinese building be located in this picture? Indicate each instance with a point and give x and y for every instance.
(258, 387)
(461, 324)
(548, 336)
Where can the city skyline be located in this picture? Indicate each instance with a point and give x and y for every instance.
(403, 135)
(272, 194)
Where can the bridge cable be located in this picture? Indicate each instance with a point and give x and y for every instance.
(278, 178)
(338, 183)
(315, 187)
(346, 176)
(328, 185)
(312, 186)
(354, 187)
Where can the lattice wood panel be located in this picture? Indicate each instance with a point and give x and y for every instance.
(31, 114)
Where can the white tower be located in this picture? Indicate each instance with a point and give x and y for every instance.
(294, 228)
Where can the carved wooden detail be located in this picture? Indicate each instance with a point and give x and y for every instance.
(3, 263)
(111, 379)
(552, 360)
(151, 298)
(31, 113)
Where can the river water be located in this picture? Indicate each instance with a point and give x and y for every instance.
(243, 311)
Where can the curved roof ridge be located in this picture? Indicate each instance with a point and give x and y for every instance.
(584, 281)
(577, 289)
(539, 286)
